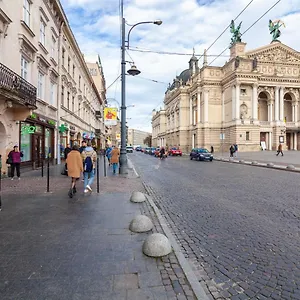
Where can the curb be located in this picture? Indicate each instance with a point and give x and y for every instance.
(258, 164)
(189, 273)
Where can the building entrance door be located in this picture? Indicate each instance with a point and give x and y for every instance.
(288, 140)
(37, 150)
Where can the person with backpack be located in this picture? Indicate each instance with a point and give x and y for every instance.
(115, 155)
(89, 157)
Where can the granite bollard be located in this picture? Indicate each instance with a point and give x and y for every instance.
(157, 245)
(141, 223)
(137, 197)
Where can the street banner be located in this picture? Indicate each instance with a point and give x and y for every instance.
(118, 136)
(110, 116)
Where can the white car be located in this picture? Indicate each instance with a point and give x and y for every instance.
(129, 149)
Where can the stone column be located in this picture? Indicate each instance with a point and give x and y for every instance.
(199, 107)
(296, 112)
(281, 104)
(237, 101)
(206, 91)
(233, 102)
(223, 107)
(270, 140)
(276, 103)
(193, 141)
(191, 111)
(254, 102)
(295, 141)
(293, 113)
(270, 111)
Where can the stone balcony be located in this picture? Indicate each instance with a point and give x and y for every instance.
(16, 89)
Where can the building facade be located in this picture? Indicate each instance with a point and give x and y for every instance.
(137, 137)
(253, 101)
(47, 96)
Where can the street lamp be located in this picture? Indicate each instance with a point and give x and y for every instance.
(132, 71)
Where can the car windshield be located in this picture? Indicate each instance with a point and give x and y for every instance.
(129, 147)
(153, 148)
(203, 150)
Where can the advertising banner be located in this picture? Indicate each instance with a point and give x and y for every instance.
(110, 116)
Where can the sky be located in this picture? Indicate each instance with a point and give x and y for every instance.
(187, 24)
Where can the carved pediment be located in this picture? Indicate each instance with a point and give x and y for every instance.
(278, 54)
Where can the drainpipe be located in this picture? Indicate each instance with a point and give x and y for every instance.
(58, 93)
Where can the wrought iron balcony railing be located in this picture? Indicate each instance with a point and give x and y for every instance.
(12, 82)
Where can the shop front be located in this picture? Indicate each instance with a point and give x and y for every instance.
(37, 140)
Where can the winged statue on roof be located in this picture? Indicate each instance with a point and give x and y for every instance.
(236, 33)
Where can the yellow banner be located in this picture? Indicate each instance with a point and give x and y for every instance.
(110, 116)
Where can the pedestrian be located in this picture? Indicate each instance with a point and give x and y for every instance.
(75, 168)
(236, 148)
(89, 157)
(212, 149)
(279, 150)
(66, 152)
(115, 154)
(14, 159)
(83, 146)
(108, 154)
(231, 149)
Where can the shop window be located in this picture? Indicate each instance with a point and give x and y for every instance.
(247, 136)
(26, 141)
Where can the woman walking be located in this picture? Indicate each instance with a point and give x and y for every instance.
(114, 160)
(14, 158)
(75, 168)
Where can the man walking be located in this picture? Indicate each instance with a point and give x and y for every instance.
(279, 150)
(83, 146)
(89, 157)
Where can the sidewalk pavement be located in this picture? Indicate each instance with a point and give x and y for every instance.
(265, 157)
(53, 247)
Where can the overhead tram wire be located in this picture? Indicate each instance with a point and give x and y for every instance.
(247, 29)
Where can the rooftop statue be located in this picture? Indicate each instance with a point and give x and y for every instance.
(237, 36)
(274, 29)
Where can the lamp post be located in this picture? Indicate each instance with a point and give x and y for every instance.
(132, 71)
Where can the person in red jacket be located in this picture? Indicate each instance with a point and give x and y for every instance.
(15, 158)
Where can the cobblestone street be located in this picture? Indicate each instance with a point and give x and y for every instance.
(238, 225)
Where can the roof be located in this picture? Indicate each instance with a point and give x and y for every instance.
(184, 76)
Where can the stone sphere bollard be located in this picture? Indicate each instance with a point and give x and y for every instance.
(141, 223)
(137, 197)
(290, 167)
(157, 245)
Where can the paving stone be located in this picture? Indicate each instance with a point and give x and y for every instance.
(150, 279)
(126, 281)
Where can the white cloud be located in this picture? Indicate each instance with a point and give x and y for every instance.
(186, 24)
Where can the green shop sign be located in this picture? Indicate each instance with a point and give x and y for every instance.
(33, 116)
(27, 129)
(50, 122)
(63, 128)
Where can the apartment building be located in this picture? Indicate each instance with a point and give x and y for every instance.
(137, 137)
(47, 96)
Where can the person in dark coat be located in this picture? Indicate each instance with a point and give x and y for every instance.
(67, 151)
(83, 146)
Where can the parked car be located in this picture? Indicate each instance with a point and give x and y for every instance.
(138, 148)
(175, 152)
(152, 151)
(201, 154)
(129, 149)
(147, 150)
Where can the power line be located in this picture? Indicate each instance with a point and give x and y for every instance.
(113, 82)
(153, 80)
(137, 49)
(248, 28)
(228, 26)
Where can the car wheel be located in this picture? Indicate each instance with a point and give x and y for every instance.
(191, 158)
(211, 159)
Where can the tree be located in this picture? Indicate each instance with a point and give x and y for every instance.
(148, 140)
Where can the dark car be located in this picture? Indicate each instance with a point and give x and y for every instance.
(201, 154)
(152, 151)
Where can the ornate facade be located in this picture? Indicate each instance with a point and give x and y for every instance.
(47, 96)
(253, 100)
